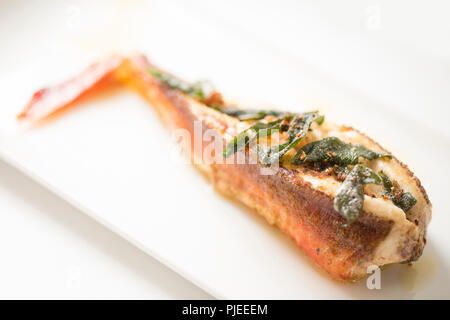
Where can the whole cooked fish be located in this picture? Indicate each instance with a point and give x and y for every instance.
(347, 202)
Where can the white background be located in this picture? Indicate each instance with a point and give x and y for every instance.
(381, 66)
(51, 250)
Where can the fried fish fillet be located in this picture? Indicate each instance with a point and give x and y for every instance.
(295, 198)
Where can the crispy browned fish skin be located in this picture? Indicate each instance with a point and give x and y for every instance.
(305, 213)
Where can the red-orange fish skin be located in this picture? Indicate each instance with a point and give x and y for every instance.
(48, 100)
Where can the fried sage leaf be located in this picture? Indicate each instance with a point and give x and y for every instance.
(403, 200)
(200, 90)
(244, 138)
(332, 150)
(248, 114)
(298, 128)
(197, 90)
(349, 198)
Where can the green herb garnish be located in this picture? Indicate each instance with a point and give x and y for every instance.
(349, 198)
(196, 90)
(259, 129)
(248, 114)
(403, 200)
(200, 89)
(297, 130)
(332, 150)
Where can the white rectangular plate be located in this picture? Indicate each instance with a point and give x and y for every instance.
(109, 155)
